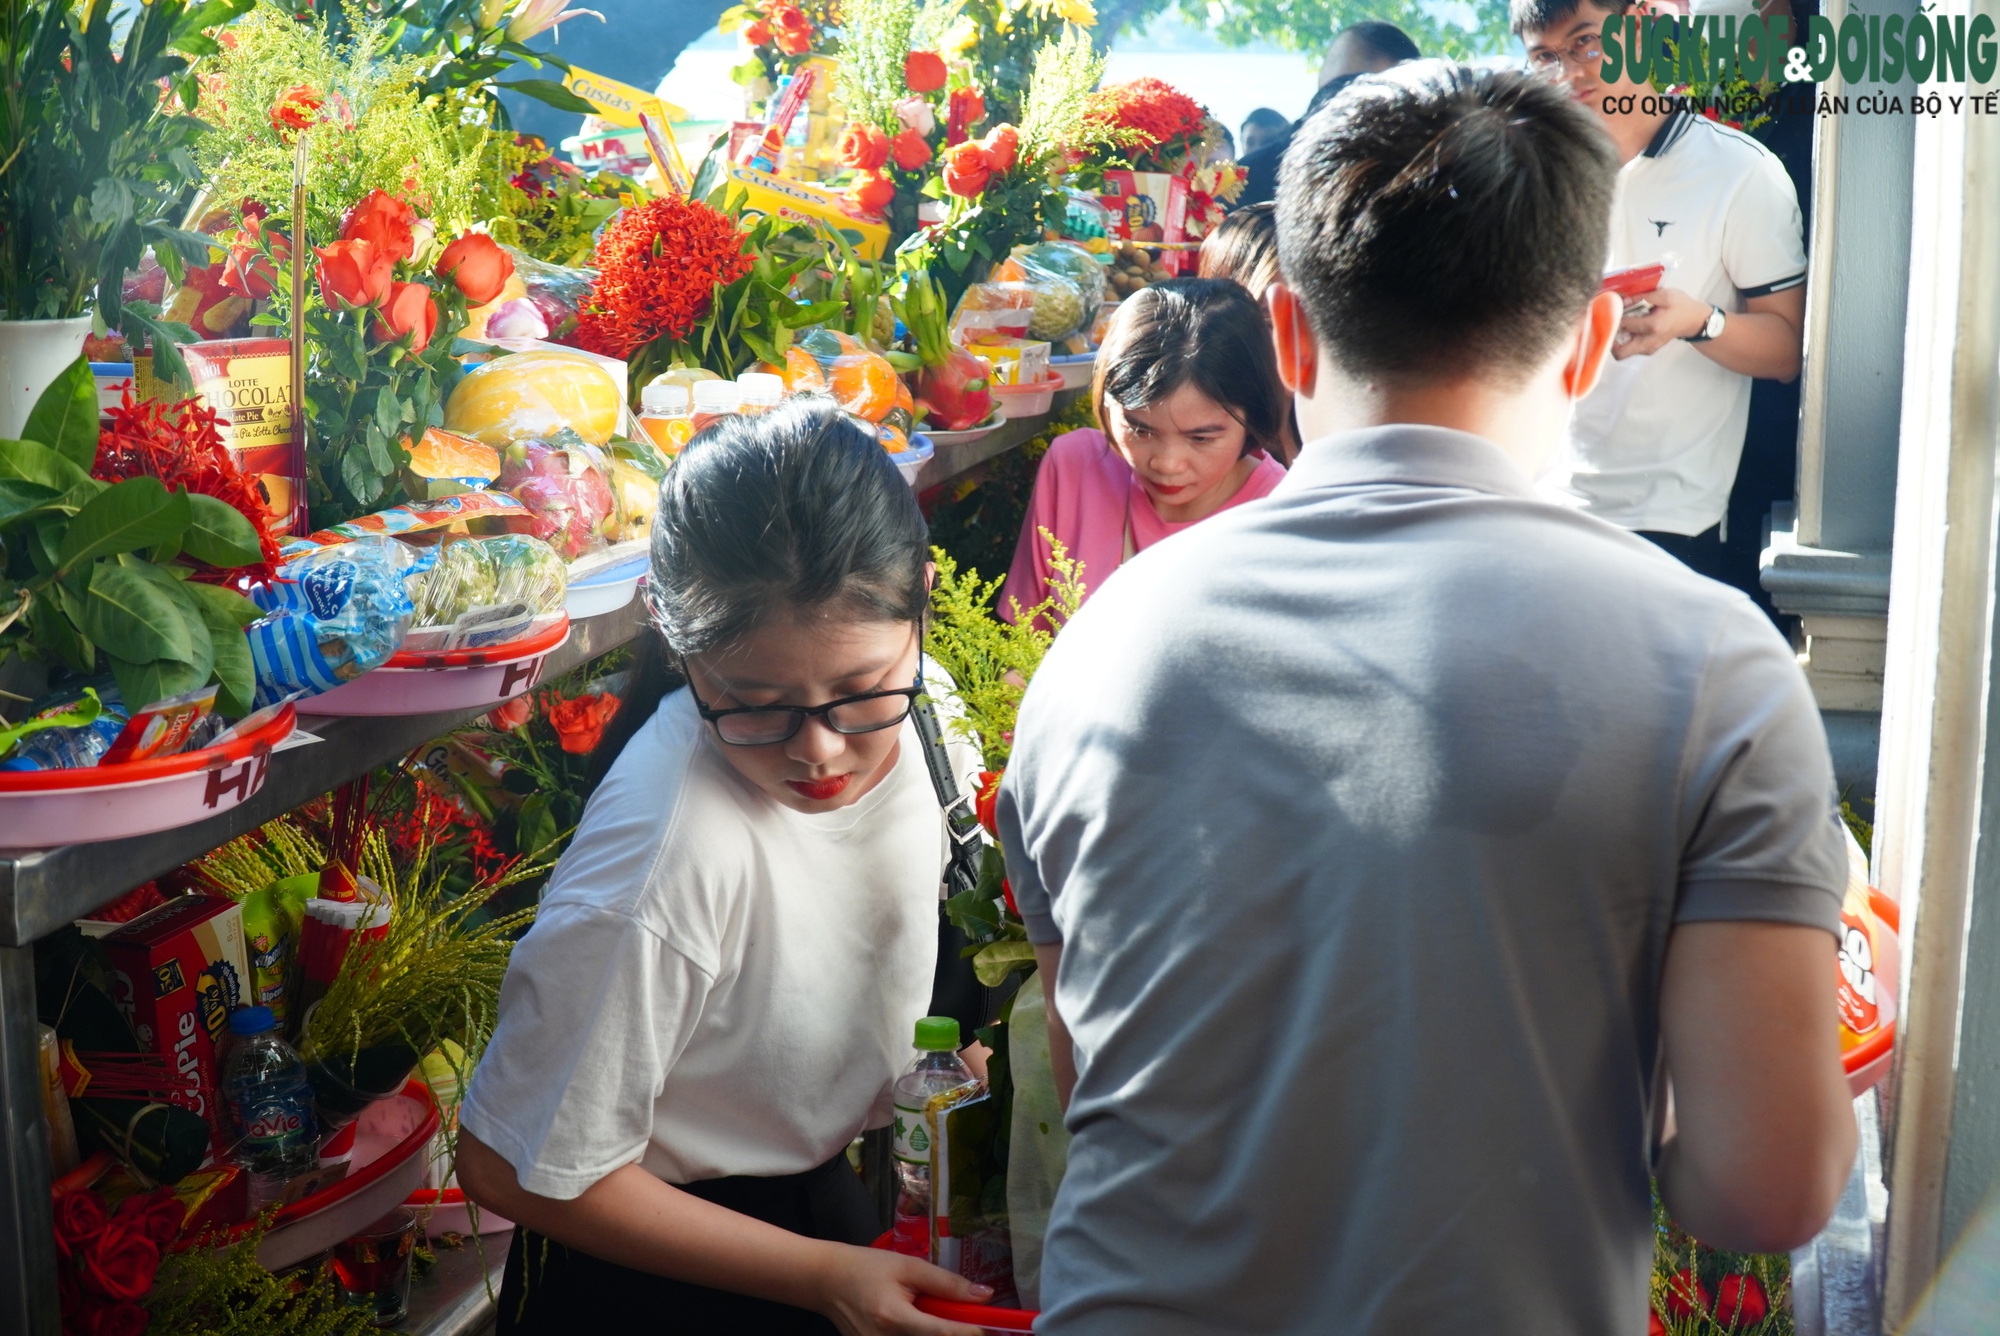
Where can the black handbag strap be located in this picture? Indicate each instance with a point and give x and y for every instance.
(960, 817)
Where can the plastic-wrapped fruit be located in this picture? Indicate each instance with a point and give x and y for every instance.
(860, 380)
(1058, 308)
(535, 393)
(565, 492)
(800, 372)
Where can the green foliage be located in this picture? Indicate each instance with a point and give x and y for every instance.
(875, 37)
(1004, 40)
(992, 661)
(377, 130)
(1056, 103)
(1861, 826)
(94, 567)
(1308, 25)
(211, 1291)
(94, 156)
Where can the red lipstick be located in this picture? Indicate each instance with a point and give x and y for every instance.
(819, 790)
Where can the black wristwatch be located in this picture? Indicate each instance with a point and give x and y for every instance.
(1713, 329)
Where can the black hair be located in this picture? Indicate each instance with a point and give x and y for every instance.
(1266, 118)
(1244, 247)
(1383, 38)
(1526, 16)
(798, 508)
(1205, 332)
(1438, 219)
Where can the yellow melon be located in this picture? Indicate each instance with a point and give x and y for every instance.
(534, 393)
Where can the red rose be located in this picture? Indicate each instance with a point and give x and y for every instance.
(1740, 1301)
(514, 714)
(296, 109)
(757, 33)
(119, 1319)
(792, 29)
(579, 723)
(1654, 1327)
(248, 272)
(1686, 1296)
(988, 801)
(79, 1219)
(157, 1215)
(864, 148)
(910, 150)
(872, 193)
(353, 273)
(963, 110)
(409, 310)
(923, 71)
(383, 220)
(1002, 145)
(119, 1263)
(477, 265)
(966, 169)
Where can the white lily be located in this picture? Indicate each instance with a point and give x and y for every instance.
(535, 17)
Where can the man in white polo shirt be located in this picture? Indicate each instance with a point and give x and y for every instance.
(1391, 842)
(1655, 447)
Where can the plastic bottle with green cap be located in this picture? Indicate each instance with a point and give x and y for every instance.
(926, 1086)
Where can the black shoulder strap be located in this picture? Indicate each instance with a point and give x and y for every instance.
(961, 820)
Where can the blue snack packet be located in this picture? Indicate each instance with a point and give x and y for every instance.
(331, 616)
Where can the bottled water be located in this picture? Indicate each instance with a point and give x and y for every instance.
(264, 1087)
(936, 1070)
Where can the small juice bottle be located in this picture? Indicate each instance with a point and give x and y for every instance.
(664, 414)
(762, 392)
(715, 400)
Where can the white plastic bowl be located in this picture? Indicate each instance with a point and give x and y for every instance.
(911, 461)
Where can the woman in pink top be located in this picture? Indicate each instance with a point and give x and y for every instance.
(1187, 388)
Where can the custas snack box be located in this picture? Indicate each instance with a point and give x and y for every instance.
(177, 973)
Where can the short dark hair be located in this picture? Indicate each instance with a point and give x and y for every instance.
(1526, 16)
(1266, 118)
(1244, 247)
(1437, 217)
(798, 508)
(1385, 39)
(1205, 332)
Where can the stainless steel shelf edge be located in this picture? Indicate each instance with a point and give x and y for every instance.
(40, 891)
(953, 460)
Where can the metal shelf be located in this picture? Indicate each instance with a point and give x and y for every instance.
(42, 890)
(954, 460)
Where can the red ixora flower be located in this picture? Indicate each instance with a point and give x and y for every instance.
(297, 108)
(658, 267)
(579, 722)
(1168, 120)
(180, 445)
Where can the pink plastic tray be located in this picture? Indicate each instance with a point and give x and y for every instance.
(390, 1145)
(459, 679)
(110, 802)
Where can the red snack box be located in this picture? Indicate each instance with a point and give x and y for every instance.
(1637, 281)
(1150, 206)
(177, 973)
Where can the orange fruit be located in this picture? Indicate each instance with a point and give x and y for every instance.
(903, 399)
(800, 372)
(864, 384)
(892, 438)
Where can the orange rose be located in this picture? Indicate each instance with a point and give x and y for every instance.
(353, 273)
(910, 149)
(923, 71)
(1002, 145)
(988, 801)
(864, 148)
(385, 221)
(514, 714)
(872, 193)
(477, 266)
(408, 311)
(793, 30)
(579, 723)
(296, 109)
(757, 33)
(247, 272)
(966, 169)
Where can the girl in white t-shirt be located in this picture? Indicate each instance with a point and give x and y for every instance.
(724, 976)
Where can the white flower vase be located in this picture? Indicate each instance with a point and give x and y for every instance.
(32, 354)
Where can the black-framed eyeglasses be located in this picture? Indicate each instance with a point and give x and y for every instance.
(762, 725)
(1583, 51)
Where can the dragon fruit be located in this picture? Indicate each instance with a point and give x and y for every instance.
(954, 394)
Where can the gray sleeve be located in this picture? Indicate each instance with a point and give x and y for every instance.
(1764, 840)
(1031, 896)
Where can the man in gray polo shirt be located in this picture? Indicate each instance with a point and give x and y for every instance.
(1394, 841)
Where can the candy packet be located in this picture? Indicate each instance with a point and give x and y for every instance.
(332, 615)
(164, 728)
(486, 591)
(272, 920)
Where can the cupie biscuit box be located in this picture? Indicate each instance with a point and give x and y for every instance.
(177, 973)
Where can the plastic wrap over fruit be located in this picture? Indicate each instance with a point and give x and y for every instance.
(860, 379)
(486, 591)
(536, 393)
(565, 488)
(332, 615)
(1067, 284)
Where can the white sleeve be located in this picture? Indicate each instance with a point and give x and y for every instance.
(1763, 235)
(594, 1011)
